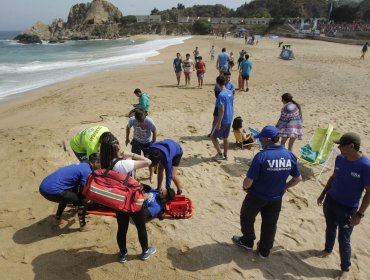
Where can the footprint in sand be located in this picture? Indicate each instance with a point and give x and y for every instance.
(192, 129)
(213, 203)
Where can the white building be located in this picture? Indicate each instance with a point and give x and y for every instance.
(192, 19)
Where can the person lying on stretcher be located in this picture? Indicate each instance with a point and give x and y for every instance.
(155, 201)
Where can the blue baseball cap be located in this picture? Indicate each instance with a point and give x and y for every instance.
(268, 131)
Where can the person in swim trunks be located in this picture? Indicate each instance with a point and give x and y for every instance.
(188, 66)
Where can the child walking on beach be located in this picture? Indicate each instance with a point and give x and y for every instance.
(188, 66)
(177, 67)
(364, 51)
(200, 66)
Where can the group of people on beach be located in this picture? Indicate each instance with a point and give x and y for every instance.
(97, 148)
(265, 182)
(225, 63)
(266, 179)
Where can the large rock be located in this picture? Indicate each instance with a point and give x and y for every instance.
(101, 11)
(28, 39)
(96, 12)
(98, 19)
(39, 31)
(77, 15)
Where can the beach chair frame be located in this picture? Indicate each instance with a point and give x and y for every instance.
(322, 160)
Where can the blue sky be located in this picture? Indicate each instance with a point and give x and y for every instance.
(21, 14)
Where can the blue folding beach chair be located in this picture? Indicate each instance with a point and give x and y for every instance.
(255, 132)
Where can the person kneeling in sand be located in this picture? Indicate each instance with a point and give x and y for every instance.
(87, 142)
(167, 156)
(144, 102)
(65, 185)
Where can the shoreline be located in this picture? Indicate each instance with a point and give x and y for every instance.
(104, 68)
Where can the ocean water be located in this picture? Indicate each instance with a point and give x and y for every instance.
(27, 67)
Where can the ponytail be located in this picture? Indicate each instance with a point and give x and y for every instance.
(109, 148)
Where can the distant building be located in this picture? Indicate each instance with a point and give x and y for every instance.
(192, 19)
(226, 20)
(149, 19)
(257, 20)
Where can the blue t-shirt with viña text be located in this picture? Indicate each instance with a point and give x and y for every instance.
(351, 177)
(270, 170)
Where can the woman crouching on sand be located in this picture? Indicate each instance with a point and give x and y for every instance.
(109, 152)
(291, 121)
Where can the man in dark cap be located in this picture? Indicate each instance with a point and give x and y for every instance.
(342, 195)
(265, 184)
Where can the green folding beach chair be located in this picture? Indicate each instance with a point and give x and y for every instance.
(320, 150)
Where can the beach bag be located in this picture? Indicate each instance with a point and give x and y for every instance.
(114, 190)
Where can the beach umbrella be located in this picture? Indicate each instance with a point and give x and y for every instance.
(242, 29)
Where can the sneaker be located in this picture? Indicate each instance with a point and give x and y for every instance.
(237, 240)
(218, 157)
(225, 157)
(146, 255)
(260, 254)
(122, 258)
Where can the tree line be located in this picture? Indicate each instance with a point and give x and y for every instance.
(341, 11)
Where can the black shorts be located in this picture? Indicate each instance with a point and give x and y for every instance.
(176, 160)
(245, 77)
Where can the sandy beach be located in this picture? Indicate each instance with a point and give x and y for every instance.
(327, 79)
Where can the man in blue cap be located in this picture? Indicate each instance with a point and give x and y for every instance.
(265, 184)
(342, 195)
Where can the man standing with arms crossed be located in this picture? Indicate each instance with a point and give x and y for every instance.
(265, 185)
(342, 195)
(225, 108)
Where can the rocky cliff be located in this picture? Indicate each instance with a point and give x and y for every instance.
(98, 19)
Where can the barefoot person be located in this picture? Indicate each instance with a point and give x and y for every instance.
(342, 195)
(265, 184)
(200, 66)
(225, 114)
(109, 152)
(245, 69)
(364, 51)
(222, 64)
(64, 186)
(188, 66)
(212, 53)
(177, 67)
(167, 156)
(290, 123)
(144, 102)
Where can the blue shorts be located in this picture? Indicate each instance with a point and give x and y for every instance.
(223, 132)
(200, 76)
